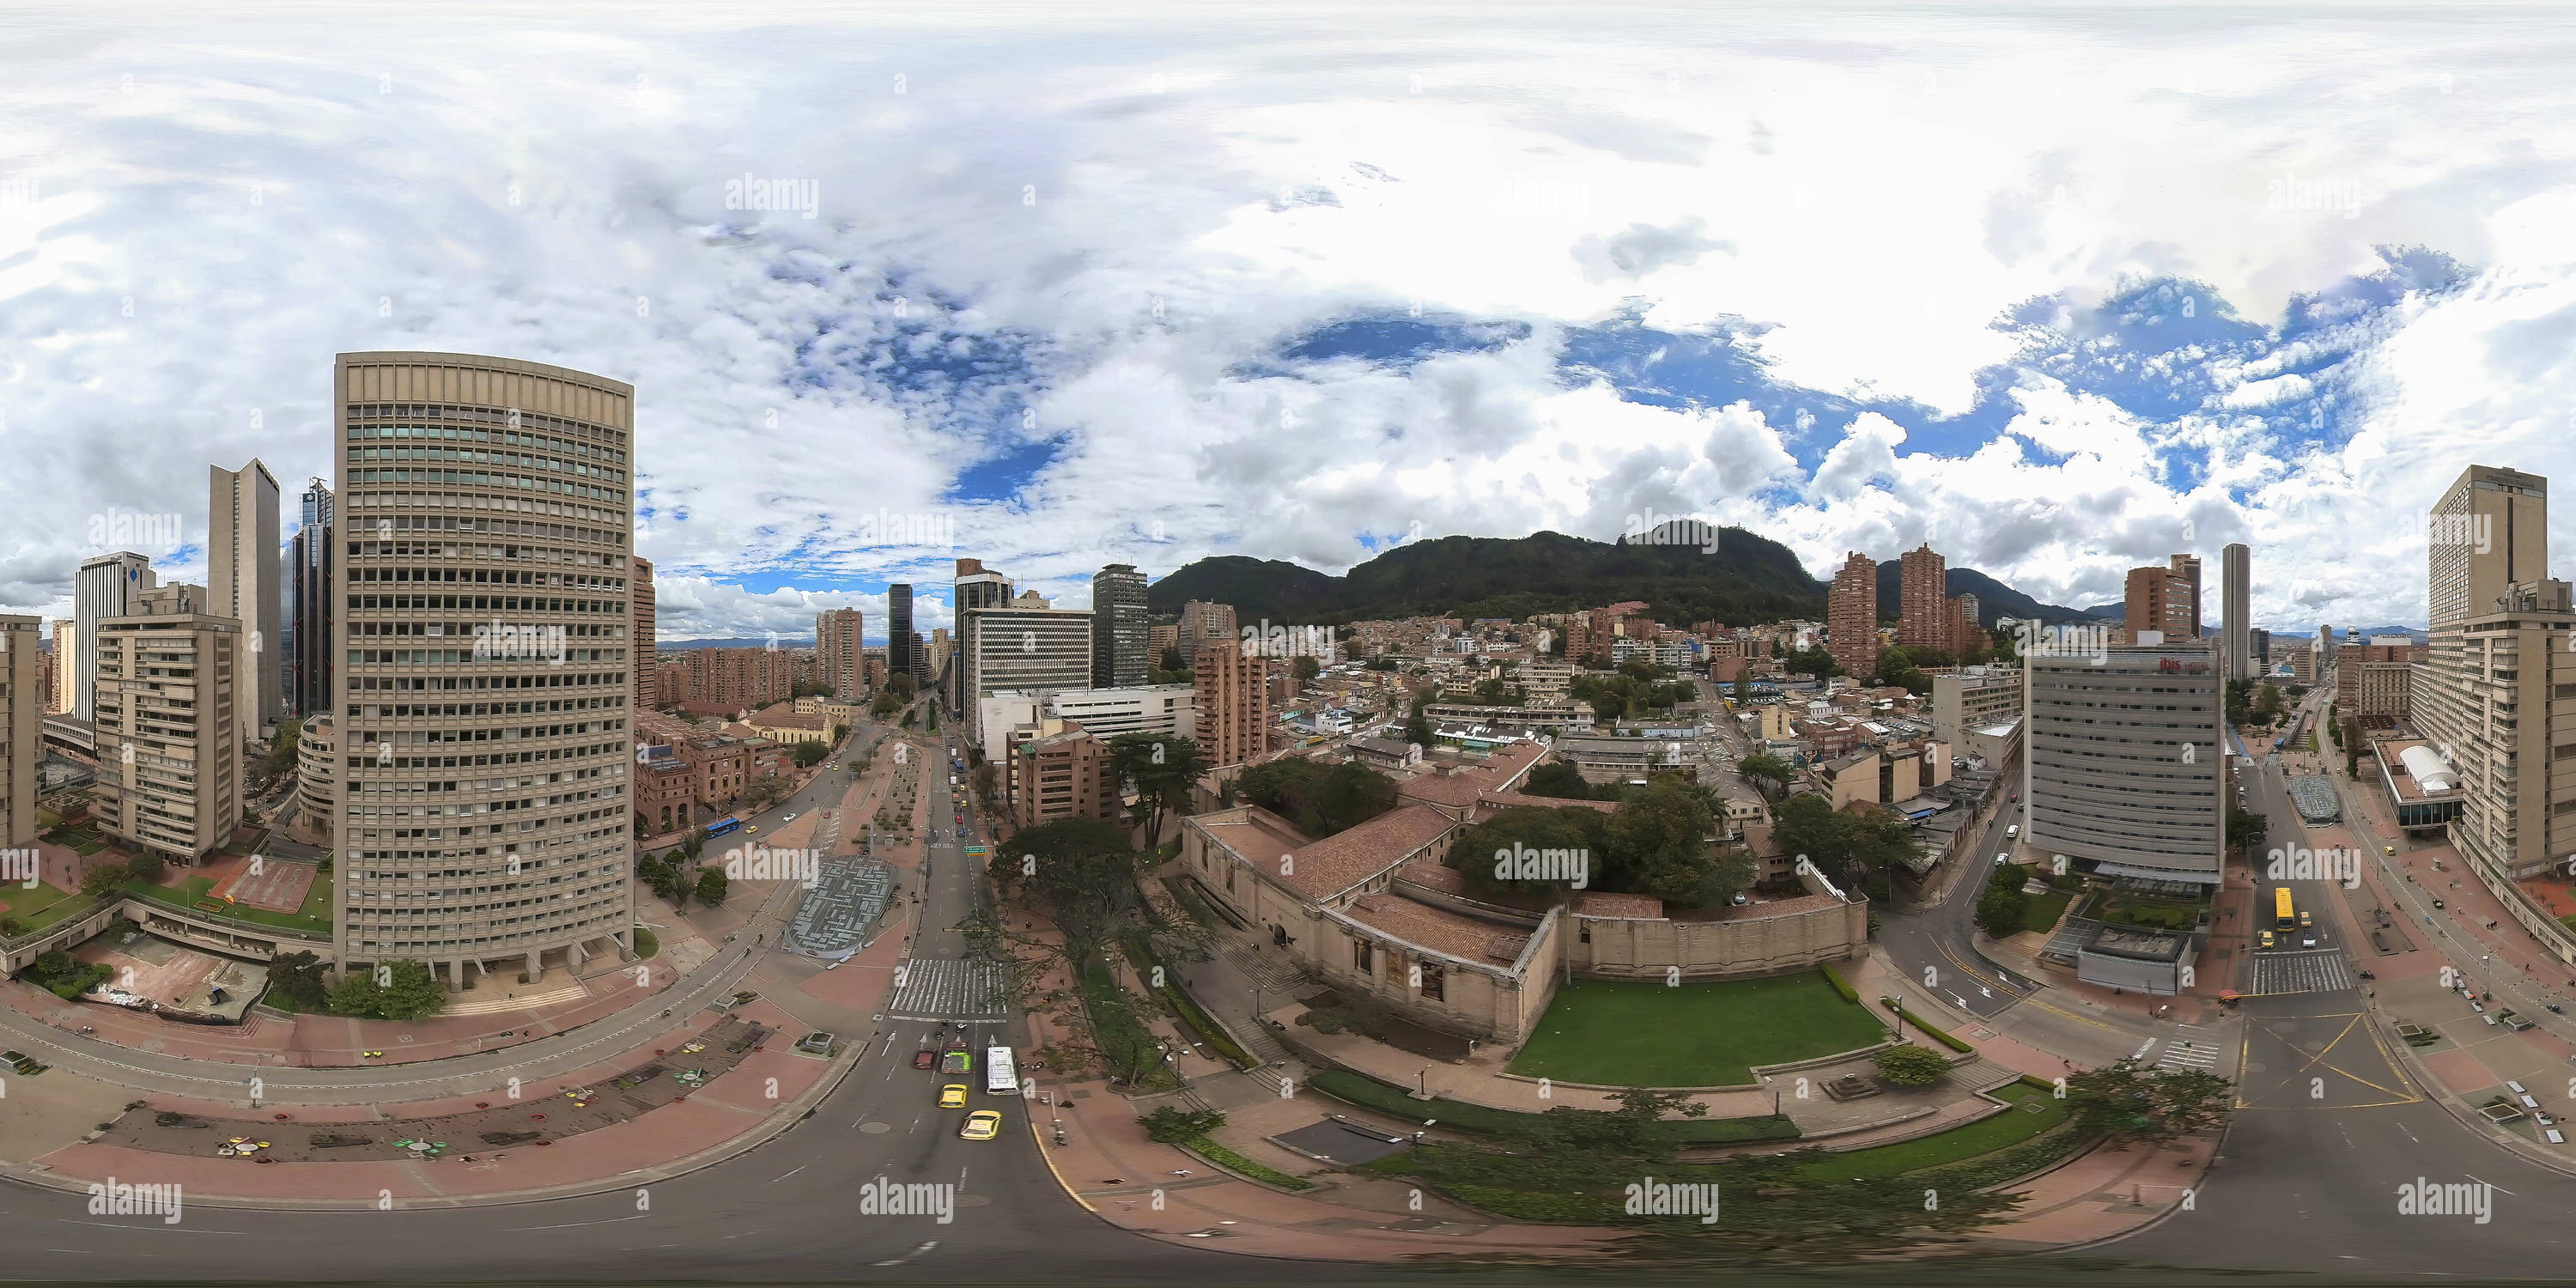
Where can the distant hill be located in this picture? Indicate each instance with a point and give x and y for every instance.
(1747, 578)
(1994, 599)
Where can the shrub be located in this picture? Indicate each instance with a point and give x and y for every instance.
(1170, 1125)
(1911, 1066)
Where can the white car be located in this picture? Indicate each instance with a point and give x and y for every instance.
(2003, 858)
(789, 819)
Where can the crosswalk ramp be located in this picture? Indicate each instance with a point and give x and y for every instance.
(2189, 1048)
(2322, 971)
(944, 988)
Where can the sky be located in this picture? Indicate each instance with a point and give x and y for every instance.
(2060, 290)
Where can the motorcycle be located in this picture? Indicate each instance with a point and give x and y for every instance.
(2368, 975)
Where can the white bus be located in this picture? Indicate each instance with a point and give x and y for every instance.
(1000, 1078)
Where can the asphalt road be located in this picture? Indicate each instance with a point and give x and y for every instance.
(787, 1210)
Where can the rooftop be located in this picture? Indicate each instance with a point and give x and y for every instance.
(1439, 929)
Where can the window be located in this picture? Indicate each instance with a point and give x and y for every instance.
(1229, 878)
(1361, 959)
(1431, 982)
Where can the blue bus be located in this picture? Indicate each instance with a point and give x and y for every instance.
(723, 825)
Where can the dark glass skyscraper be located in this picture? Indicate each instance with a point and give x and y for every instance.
(900, 659)
(309, 603)
(1117, 627)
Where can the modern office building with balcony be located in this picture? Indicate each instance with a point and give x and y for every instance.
(171, 698)
(2121, 765)
(482, 697)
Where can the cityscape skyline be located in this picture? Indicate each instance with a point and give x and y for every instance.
(2101, 373)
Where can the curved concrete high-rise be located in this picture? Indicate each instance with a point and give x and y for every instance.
(485, 507)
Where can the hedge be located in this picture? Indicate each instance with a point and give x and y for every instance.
(1234, 1162)
(1369, 1094)
(1841, 985)
(1937, 1035)
(1141, 955)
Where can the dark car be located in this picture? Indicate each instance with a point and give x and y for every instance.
(925, 1058)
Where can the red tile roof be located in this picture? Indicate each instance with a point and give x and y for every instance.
(1439, 929)
(1328, 867)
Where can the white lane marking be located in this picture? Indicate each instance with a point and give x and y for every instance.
(776, 1179)
(571, 1224)
(910, 1255)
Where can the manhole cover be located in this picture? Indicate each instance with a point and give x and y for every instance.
(876, 1129)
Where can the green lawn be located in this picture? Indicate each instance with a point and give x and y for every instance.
(186, 895)
(38, 908)
(1617, 1033)
(647, 945)
(2043, 910)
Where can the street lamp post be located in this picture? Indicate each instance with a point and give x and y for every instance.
(1896, 1011)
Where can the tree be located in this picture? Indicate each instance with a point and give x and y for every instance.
(986, 781)
(2001, 908)
(101, 879)
(1171, 1124)
(146, 867)
(1417, 728)
(1558, 779)
(54, 962)
(1165, 770)
(1763, 767)
(712, 886)
(2247, 828)
(1659, 842)
(1305, 668)
(1173, 661)
(299, 975)
(398, 990)
(1912, 1066)
(1814, 661)
(2127, 1101)
(1572, 830)
(1633, 1132)
(414, 994)
(1743, 686)
(809, 754)
(1081, 873)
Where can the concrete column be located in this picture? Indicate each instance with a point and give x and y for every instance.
(574, 956)
(535, 967)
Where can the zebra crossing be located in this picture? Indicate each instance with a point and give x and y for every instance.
(944, 988)
(2189, 1048)
(2322, 971)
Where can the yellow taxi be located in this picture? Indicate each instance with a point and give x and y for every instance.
(953, 1096)
(983, 1124)
(2263, 939)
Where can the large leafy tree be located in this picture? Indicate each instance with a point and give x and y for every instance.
(1164, 769)
(2127, 1101)
(1572, 827)
(1763, 767)
(1659, 842)
(1558, 779)
(1081, 874)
